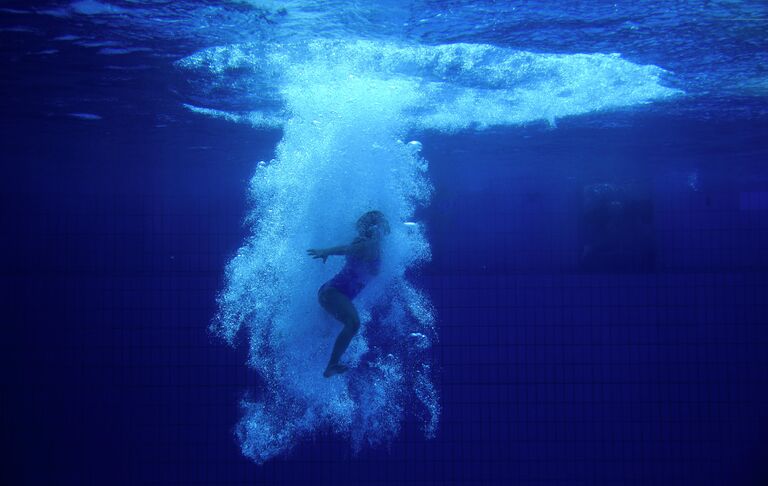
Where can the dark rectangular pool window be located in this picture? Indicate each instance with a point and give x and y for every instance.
(615, 230)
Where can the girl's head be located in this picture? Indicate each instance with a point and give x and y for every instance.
(373, 223)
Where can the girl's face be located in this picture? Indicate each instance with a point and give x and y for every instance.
(366, 229)
(373, 228)
(374, 231)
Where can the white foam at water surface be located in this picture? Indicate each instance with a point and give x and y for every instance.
(345, 108)
(449, 87)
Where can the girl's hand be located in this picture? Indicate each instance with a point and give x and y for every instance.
(318, 254)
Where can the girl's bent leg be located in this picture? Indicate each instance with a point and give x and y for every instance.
(340, 307)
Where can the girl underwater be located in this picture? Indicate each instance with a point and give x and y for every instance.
(363, 261)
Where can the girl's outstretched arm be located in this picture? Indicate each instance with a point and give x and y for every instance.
(324, 253)
(360, 247)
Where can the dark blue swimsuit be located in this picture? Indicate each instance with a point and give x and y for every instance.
(355, 274)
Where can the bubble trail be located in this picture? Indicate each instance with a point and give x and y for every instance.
(346, 109)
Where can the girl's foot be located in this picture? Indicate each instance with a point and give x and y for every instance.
(334, 370)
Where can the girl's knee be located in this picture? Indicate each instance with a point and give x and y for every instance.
(353, 325)
(322, 295)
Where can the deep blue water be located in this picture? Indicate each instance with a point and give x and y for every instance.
(599, 280)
